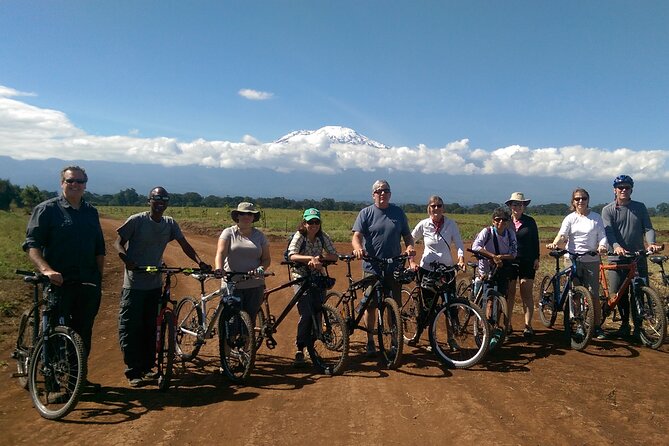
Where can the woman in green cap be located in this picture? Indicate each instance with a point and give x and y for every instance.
(310, 246)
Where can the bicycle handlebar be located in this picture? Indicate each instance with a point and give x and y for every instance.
(32, 277)
(561, 252)
(387, 261)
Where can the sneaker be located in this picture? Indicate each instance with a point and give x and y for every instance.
(56, 397)
(299, 359)
(150, 376)
(371, 348)
(599, 334)
(135, 382)
(528, 332)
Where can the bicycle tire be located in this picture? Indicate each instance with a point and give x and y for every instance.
(409, 314)
(24, 345)
(389, 332)
(166, 351)
(258, 329)
(459, 334)
(547, 305)
(189, 320)
(499, 321)
(55, 388)
(653, 327)
(336, 300)
(237, 347)
(579, 318)
(329, 350)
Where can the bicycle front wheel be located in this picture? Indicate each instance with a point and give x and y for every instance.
(189, 322)
(547, 309)
(579, 318)
(459, 334)
(166, 351)
(329, 350)
(24, 345)
(409, 313)
(57, 372)
(336, 300)
(389, 331)
(653, 320)
(236, 342)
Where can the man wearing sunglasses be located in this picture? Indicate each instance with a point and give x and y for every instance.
(141, 241)
(627, 225)
(378, 231)
(65, 242)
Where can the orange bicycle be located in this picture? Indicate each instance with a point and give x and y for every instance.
(647, 307)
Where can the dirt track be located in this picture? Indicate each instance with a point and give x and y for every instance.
(527, 393)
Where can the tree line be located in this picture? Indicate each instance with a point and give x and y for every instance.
(29, 196)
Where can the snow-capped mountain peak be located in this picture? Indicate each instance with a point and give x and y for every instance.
(336, 135)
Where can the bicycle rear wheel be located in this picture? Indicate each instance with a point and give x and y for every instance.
(236, 342)
(24, 345)
(389, 331)
(459, 334)
(57, 372)
(257, 330)
(547, 309)
(579, 318)
(329, 350)
(189, 322)
(653, 327)
(409, 313)
(166, 351)
(336, 300)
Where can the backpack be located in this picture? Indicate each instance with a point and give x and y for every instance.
(286, 257)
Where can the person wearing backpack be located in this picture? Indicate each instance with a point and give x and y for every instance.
(309, 246)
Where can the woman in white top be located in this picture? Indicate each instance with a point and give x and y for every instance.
(583, 230)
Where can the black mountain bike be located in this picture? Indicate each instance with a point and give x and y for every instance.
(388, 326)
(51, 359)
(458, 331)
(328, 347)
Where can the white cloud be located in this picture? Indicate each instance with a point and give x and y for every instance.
(29, 132)
(255, 95)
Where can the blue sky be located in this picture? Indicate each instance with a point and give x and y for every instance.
(526, 87)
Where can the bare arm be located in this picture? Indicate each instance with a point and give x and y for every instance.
(221, 253)
(190, 252)
(356, 241)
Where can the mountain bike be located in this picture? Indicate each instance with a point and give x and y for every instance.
(458, 331)
(196, 324)
(51, 359)
(659, 261)
(165, 322)
(560, 292)
(328, 344)
(648, 310)
(482, 292)
(389, 323)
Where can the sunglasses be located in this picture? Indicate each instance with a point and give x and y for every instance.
(314, 221)
(500, 219)
(623, 187)
(160, 198)
(382, 191)
(517, 203)
(74, 180)
(436, 206)
(580, 198)
(245, 213)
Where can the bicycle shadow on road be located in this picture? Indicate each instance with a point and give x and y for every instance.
(420, 361)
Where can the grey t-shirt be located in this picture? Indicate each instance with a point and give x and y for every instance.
(147, 240)
(627, 225)
(244, 253)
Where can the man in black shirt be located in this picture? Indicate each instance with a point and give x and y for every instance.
(65, 242)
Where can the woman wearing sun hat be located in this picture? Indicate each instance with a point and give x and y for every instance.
(310, 246)
(243, 248)
(527, 259)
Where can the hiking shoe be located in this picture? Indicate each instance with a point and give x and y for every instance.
(135, 382)
(299, 359)
(150, 376)
(599, 334)
(56, 397)
(622, 332)
(371, 349)
(528, 332)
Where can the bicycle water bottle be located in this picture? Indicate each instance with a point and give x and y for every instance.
(477, 285)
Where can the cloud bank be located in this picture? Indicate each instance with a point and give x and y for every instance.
(255, 95)
(29, 132)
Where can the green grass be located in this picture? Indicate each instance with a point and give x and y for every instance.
(12, 257)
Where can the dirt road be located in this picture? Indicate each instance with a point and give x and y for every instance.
(527, 393)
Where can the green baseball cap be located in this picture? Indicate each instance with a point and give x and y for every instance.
(311, 213)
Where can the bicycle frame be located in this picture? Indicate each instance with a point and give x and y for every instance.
(560, 294)
(632, 278)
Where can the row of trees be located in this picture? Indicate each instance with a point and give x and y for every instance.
(27, 197)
